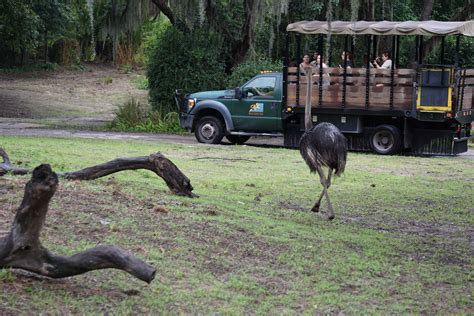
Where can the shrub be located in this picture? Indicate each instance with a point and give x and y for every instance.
(108, 80)
(140, 82)
(191, 61)
(135, 117)
(249, 68)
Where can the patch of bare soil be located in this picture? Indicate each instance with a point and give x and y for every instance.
(67, 97)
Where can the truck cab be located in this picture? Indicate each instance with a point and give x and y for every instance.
(253, 109)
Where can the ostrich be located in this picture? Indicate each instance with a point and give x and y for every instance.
(322, 145)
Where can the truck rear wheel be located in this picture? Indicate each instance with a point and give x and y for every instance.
(209, 130)
(386, 140)
(237, 139)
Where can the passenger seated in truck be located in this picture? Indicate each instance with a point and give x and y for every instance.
(305, 64)
(386, 64)
(317, 63)
(349, 63)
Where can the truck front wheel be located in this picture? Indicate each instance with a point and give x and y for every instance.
(386, 140)
(209, 130)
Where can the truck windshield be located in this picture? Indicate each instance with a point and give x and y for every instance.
(262, 86)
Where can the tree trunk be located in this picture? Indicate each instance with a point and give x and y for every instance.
(165, 9)
(22, 249)
(240, 48)
(427, 10)
(176, 181)
(45, 46)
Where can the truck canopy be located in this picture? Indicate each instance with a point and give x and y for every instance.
(432, 28)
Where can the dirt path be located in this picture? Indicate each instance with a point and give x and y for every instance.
(66, 98)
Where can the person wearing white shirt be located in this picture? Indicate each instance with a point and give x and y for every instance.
(386, 62)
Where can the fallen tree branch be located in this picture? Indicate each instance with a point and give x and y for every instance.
(176, 181)
(6, 166)
(22, 249)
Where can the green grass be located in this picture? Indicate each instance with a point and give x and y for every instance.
(140, 82)
(401, 242)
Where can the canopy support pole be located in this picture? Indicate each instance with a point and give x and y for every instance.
(320, 100)
(286, 63)
(392, 70)
(457, 78)
(367, 71)
(298, 62)
(344, 80)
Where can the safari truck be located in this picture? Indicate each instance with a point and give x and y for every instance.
(425, 109)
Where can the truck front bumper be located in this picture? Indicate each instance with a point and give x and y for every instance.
(186, 120)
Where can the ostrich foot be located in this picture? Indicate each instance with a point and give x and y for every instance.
(330, 216)
(315, 208)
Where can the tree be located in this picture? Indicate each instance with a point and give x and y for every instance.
(19, 30)
(54, 20)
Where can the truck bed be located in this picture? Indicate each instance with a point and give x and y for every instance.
(332, 94)
(372, 92)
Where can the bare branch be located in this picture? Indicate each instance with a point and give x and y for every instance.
(176, 181)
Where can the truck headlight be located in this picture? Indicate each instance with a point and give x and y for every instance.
(191, 103)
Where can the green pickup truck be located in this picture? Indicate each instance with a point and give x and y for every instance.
(426, 109)
(251, 110)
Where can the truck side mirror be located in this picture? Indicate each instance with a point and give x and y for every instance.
(238, 93)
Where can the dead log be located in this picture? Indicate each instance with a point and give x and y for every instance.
(6, 166)
(176, 181)
(22, 249)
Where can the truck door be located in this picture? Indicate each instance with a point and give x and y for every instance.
(435, 90)
(259, 110)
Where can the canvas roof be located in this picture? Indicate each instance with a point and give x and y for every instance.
(436, 28)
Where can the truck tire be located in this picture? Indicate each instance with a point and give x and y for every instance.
(209, 130)
(237, 139)
(386, 140)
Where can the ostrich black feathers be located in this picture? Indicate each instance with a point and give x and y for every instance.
(324, 146)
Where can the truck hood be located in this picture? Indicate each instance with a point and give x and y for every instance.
(217, 94)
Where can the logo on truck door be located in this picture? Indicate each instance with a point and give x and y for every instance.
(256, 109)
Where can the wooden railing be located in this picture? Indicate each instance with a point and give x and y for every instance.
(466, 83)
(378, 95)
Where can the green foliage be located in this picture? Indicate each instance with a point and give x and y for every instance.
(19, 29)
(7, 276)
(133, 116)
(249, 68)
(30, 68)
(140, 82)
(183, 60)
(151, 31)
(126, 68)
(466, 48)
(108, 80)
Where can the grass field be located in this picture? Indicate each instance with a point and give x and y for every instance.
(402, 240)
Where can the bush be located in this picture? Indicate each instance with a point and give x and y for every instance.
(249, 68)
(135, 117)
(191, 61)
(140, 82)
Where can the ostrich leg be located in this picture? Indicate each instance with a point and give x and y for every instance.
(318, 202)
(325, 185)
